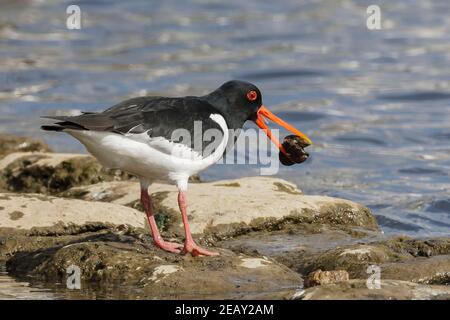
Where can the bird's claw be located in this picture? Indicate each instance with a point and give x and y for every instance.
(169, 246)
(196, 250)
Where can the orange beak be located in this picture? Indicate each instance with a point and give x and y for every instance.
(263, 114)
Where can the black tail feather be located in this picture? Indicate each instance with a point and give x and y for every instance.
(60, 126)
(52, 128)
(85, 121)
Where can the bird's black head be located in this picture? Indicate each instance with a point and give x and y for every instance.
(237, 100)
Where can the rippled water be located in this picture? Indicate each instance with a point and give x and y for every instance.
(376, 103)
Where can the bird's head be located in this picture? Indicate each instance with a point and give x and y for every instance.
(241, 101)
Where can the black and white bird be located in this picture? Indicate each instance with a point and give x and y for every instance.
(154, 138)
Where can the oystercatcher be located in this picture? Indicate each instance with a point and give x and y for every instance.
(137, 136)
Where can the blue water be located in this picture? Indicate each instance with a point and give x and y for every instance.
(376, 103)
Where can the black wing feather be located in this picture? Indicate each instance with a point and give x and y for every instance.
(158, 116)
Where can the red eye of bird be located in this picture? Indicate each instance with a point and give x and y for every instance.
(252, 95)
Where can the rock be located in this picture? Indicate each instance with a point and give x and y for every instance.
(25, 211)
(310, 237)
(22, 240)
(391, 254)
(10, 144)
(390, 290)
(52, 173)
(354, 259)
(223, 209)
(298, 244)
(96, 226)
(432, 270)
(319, 277)
(306, 248)
(128, 265)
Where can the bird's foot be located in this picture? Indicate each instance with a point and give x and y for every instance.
(195, 250)
(169, 246)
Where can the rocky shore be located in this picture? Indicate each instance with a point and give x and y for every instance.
(58, 210)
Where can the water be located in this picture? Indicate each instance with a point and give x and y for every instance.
(11, 288)
(376, 103)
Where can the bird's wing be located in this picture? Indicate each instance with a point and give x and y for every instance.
(158, 121)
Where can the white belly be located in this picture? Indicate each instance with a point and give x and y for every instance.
(144, 156)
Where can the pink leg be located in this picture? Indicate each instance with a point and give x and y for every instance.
(159, 242)
(189, 244)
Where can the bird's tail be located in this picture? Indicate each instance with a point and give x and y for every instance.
(54, 127)
(85, 121)
(66, 122)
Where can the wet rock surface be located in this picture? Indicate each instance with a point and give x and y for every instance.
(387, 254)
(58, 210)
(112, 258)
(421, 261)
(390, 290)
(13, 241)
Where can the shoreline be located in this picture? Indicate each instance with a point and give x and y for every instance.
(63, 209)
